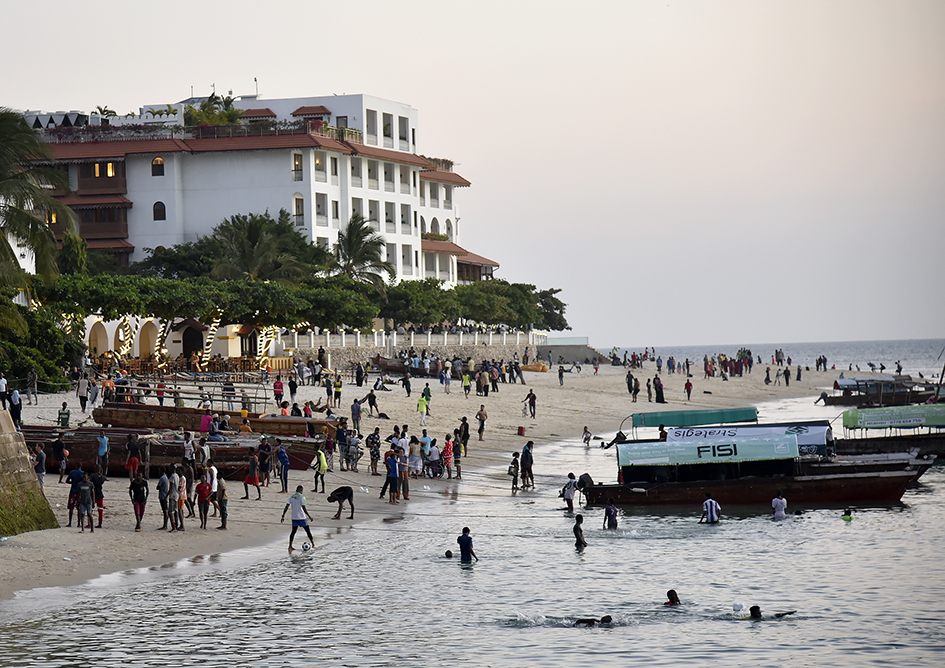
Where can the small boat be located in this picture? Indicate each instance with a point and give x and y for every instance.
(749, 468)
(149, 416)
(879, 391)
(900, 428)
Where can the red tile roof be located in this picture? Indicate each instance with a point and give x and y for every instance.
(447, 247)
(311, 111)
(391, 156)
(445, 177)
(78, 151)
(97, 201)
(258, 113)
(109, 244)
(472, 258)
(82, 151)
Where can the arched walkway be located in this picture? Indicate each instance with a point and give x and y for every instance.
(148, 339)
(192, 340)
(98, 339)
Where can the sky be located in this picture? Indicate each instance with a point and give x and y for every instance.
(685, 172)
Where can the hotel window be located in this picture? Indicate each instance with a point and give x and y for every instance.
(334, 166)
(110, 169)
(157, 167)
(160, 213)
(334, 210)
(98, 170)
(296, 166)
(51, 218)
(299, 212)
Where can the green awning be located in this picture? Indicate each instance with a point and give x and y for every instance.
(708, 451)
(695, 418)
(902, 417)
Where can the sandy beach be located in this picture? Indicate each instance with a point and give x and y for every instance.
(65, 556)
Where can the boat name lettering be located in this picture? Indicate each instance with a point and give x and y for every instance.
(704, 433)
(726, 450)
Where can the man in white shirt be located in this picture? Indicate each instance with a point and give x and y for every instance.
(299, 513)
(711, 510)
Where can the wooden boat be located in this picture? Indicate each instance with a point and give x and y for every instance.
(879, 391)
(149, 416)
(162, 448)
(900, 428)
(749, 469)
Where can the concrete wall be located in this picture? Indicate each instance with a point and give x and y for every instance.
(23, 507)
(571, 353)
(341, 358)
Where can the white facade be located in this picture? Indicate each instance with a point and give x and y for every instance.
(187, 185)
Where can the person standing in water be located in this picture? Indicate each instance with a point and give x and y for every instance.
(578, 530)
(779, 505)
(569, 487)
(711, 510)
(466, 552)
(610, 515)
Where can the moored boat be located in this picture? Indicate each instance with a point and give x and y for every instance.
(749, 469)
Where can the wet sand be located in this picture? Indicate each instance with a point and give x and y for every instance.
(65, 556)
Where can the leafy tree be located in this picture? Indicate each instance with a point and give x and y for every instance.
(358, 254)
(73, 256)
(253, 252)
(212, 111)
(419, 302)
(105, 112)
(187, 260)
(483, 302)
(42, 345)
(551, 311)
(26, 202)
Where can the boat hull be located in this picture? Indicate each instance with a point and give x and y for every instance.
(840, 488)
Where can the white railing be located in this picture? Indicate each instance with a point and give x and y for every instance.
(311, 340)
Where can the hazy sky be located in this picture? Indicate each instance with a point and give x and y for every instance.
(687, 173)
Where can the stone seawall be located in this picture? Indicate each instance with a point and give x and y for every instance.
(23, 507)
(343, 358)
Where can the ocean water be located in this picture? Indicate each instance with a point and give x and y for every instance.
(870, 592)
(917, 356)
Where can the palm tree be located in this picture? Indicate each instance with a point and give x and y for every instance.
(252, 252)
(26, 203)
(358, 254)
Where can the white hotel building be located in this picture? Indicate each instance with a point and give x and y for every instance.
(346, 154)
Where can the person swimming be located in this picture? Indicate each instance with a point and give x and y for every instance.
(606, 619)
(754, 612)
(673, 598)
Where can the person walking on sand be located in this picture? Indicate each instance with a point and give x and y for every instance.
(561, 376)
(532, 400)
(138, 491)
(252, 475)
(649, 390)
(578, 530)
(688, 390)
(482, 416)
(299, 512)
(422, 409)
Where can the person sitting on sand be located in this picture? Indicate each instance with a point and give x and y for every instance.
(587, 623)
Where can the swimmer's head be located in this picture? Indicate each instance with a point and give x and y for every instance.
(606, 619)
(673, 596)
(755, 612)
(449, 554)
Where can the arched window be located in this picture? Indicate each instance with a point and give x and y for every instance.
(423, 225)
(435, 226)
(449, 229)
(160, 213)
(157, 167)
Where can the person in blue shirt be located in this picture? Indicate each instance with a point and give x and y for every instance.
(284, 468)
(466, 552)
(393, 476)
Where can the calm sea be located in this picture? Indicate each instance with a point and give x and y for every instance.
(917, 356)
(870, 592)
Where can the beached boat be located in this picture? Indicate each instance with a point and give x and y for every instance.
(749, 469)
(149, 416)
(160, 448)
(879, 391)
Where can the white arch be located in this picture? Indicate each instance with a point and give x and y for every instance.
(98, 339)
(148, 339)
(435, 226)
